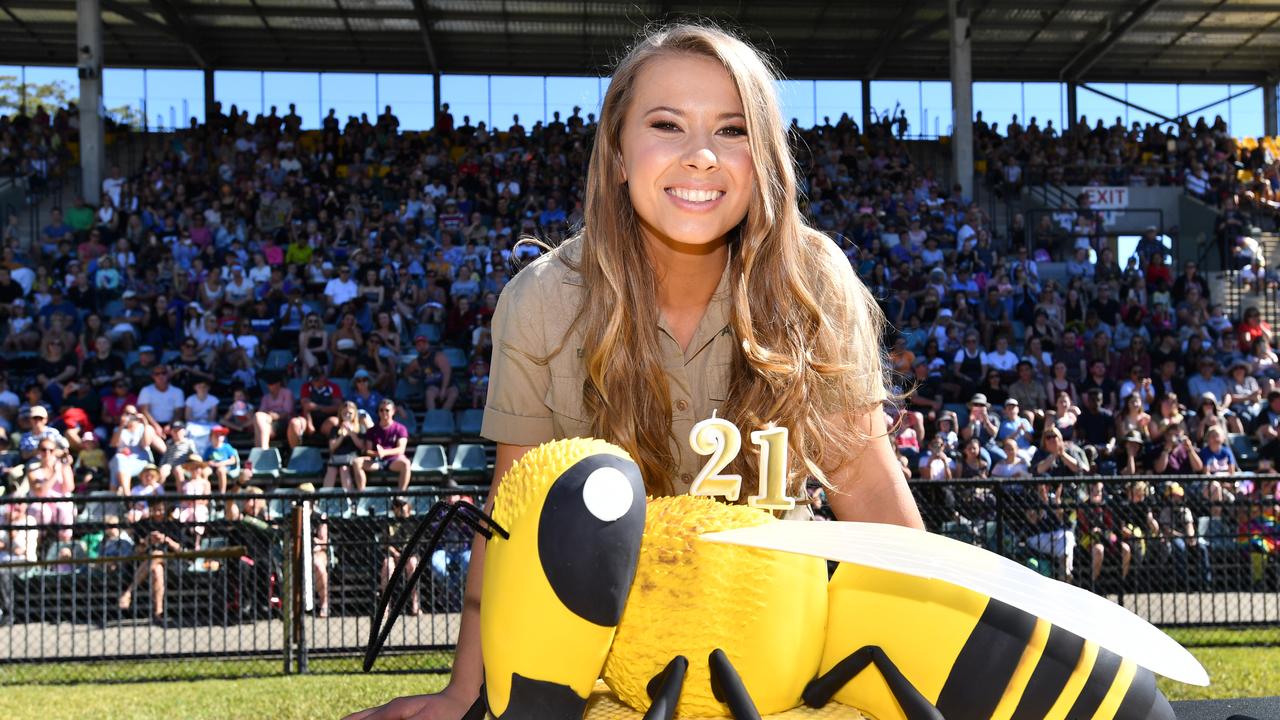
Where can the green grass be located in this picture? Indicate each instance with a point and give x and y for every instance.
(119, 691)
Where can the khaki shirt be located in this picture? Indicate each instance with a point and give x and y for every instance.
(529, 403)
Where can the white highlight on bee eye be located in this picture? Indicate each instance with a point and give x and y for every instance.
(607, 494)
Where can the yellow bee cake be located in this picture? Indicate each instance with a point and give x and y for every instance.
(687, 607)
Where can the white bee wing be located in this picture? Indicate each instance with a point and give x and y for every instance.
(922, 554)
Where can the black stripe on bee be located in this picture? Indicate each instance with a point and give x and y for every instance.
(986, 663)
(1057, 662)
(1096, 687)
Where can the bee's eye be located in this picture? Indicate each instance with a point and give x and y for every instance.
(607, 494)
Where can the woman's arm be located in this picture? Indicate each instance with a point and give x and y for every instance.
(870, 486)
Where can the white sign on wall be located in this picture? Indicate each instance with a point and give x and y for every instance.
(1108, 198)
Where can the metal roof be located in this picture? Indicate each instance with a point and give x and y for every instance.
(1051, 40)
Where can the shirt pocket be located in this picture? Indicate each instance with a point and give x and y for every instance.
(717, 389)
(568, 414)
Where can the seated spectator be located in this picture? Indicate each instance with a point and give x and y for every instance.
(179, 448)
(1049, 531)
(274, 412)
(1244, 394)
(40, 431)
(385, 448)
(161, 403)
(394, 541)
(1013, 425)
(157, 535)
(313, 344)
(1178, 538)
(191, 512)
(433, 368)
(320, 403)
(1058, 458)
(133, 441)
(222, 460)
(1099, 533)
(238, 417)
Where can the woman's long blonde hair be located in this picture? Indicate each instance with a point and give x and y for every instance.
(808, 328)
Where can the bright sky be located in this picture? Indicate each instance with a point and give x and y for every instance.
(172, 95)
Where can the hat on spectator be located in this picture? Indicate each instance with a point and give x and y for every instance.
(38, 411)
(194, 460)
(361, 374)
(978, 399)
(219, 430)
(1082, 243)
(149, 467)
(1241, 363)
(306, 487)
(1174, 488)
(128, 294)
(422, 338)
(1011, 401)
(945, 313)
(1133, 436)
(146, 349)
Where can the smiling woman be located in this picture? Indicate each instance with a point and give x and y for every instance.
(694, 287)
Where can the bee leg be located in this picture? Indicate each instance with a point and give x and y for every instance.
(727, 687)
(664, 689)
(914, 705)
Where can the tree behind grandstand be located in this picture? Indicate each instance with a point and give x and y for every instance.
(52, 95)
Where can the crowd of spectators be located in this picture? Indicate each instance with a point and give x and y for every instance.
(250, 284)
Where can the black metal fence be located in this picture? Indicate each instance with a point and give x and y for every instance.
(271, 583)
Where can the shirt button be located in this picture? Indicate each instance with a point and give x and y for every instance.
(681, 405)
(686, 478)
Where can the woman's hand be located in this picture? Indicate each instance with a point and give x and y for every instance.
(444, 705)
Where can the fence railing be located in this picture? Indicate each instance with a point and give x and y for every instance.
(285, 578)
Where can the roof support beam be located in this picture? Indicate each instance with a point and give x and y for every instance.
(1126, 103)
(1228, 55)
(424, 25)
(346, 23)
(1048, 20)
(173, 26)
(1228, 98)
(262, 17)
(1178, 38)
(1091, 54)
(891, 38)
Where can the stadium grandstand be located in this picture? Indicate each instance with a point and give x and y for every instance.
(198, 314)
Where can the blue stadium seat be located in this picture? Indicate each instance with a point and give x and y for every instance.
(266, 463)
(430, 460)
(457, 358)
(304, 462)
(409, 393)
(279, 359)
(469, 462)
(430, 330)
(1242, 446)
(437, 423)
(469, 422)
(344, 386)
(295, 387)
(377, 501)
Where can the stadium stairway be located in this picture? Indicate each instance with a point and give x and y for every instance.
(1227, 287)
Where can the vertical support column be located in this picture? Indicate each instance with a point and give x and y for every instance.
(1270, 122)
(866, 103)
(1073, 111)
(89, 68)
(209, 99)
(961, 96)
(435, 99)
